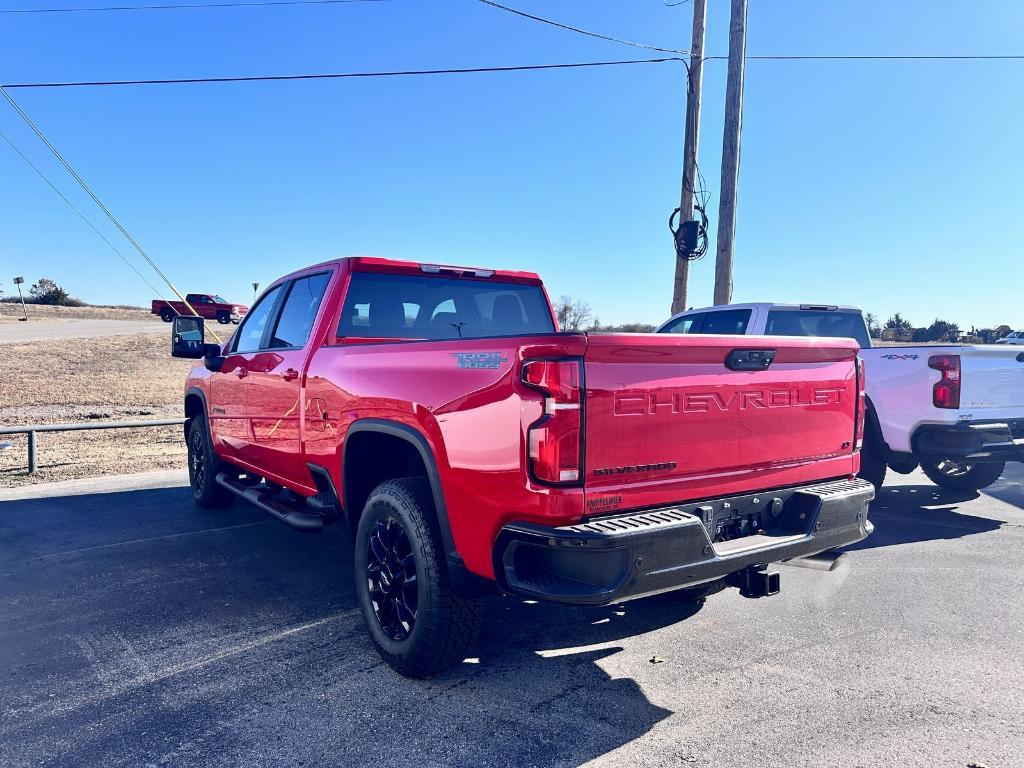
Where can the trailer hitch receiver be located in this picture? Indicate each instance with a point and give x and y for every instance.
(756, 581)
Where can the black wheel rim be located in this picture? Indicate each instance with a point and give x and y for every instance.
(391, 578)
(951, 468)
(197, 466)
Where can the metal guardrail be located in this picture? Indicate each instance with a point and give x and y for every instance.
(32, 430)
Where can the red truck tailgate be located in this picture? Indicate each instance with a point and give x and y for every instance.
(668, 421)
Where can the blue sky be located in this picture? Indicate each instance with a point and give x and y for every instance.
(896, 186)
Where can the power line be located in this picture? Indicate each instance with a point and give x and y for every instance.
(880, 57)
(81, 215)
(588, 33)
(181, 6)
(477, 70)
(95, 198)
(88, 190)
(335, 75)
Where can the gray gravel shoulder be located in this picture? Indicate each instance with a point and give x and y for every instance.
(43, 330)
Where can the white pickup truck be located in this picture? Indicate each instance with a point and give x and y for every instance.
(956, 410)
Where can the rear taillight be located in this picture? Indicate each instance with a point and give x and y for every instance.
(554, 441)
(946, 392)
(858, 432)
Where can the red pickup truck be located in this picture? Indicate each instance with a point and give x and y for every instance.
(471, 447)
(208, 305)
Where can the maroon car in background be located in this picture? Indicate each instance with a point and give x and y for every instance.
(207, 305)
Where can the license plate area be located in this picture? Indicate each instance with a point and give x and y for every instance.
(739, 517)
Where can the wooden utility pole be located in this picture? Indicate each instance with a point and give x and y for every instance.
(695, 82)
(731, 151)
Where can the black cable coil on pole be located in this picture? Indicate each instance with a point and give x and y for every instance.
(691, 237)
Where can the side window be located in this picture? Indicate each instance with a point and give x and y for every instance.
(299, 311)
(359, 315)
(250, 333)
(685, 324)
(446, 307)
(728, 321)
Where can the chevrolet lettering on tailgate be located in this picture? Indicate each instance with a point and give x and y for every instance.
(648, 403)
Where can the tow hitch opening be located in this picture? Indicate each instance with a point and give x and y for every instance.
(757, 581)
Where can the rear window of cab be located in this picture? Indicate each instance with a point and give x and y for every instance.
(392, 306)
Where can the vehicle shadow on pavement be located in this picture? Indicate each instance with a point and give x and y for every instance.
(905, 514)
(537, 694)
(1007, 492)
(136, 628)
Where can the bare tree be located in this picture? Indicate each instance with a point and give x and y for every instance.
(572, 314)
(874, 329)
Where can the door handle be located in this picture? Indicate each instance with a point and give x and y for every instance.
(290, 375)
(241, 373)
(749, 359)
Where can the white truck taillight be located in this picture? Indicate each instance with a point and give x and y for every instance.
(554, 441)
(858, 432)
(946, 392)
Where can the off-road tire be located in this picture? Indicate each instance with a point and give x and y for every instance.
(223, 318)
(446, 626)
(973, 478)
(203, 466)
(905, 466)
(872, 461)
(168, 315)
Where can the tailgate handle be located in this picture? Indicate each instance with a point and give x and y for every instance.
(749, 359)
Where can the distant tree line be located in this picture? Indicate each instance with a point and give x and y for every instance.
(898, 328)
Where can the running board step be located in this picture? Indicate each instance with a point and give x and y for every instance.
(262, 499)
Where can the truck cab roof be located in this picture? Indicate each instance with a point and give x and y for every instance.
(398, 266)
(766, 305)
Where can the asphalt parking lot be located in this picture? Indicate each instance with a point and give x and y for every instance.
(136, 630)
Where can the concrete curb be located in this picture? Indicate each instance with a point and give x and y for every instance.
(167, 478)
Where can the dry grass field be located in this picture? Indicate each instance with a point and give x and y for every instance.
(99, 379)
(10, 313)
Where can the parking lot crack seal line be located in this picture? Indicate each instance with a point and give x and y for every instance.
(163, 674)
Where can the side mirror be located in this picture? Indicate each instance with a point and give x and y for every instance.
(188, 339)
